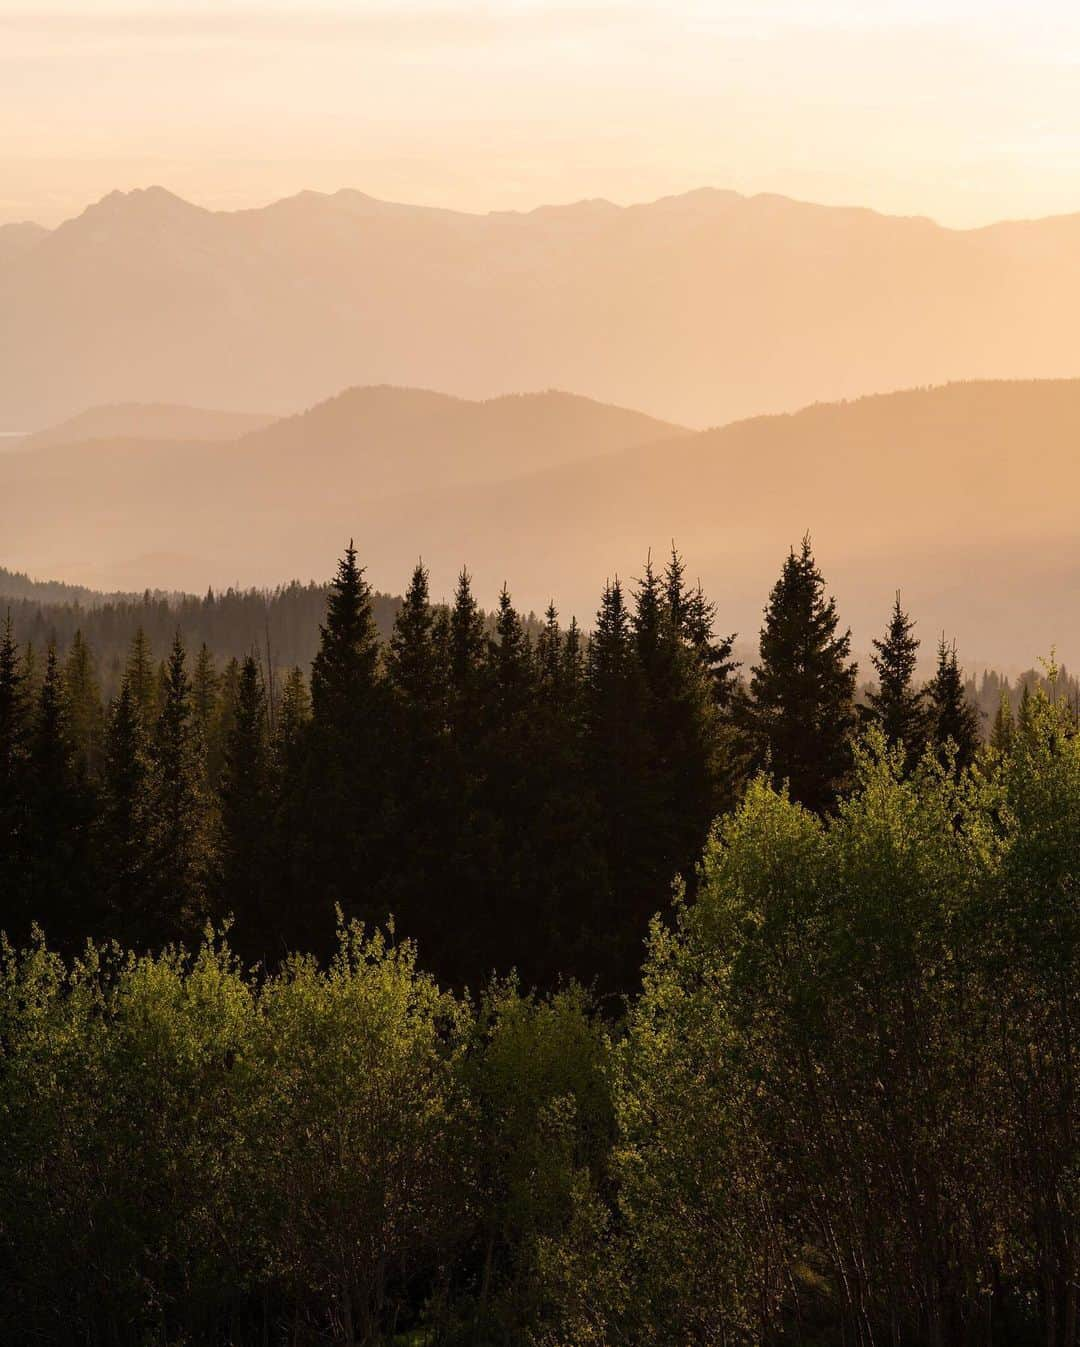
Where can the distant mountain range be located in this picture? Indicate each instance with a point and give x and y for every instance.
(963, 496)
(698, 308)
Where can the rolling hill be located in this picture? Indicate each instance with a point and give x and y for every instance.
(962, 495)
(128, 511)
(698, 308)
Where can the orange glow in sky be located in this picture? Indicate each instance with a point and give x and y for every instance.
(967, 112)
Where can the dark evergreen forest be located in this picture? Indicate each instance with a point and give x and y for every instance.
(488, 981)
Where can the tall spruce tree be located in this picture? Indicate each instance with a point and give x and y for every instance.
(800, 716)
(85, 713)
(1003, 732)
(216, 717)
(289, 836)
(245, 796)
(294, 715)
(694, 617)
(14, 745)
(954, 721)
(347, 759)
(123, 835)
(618, 753)
(509, 669)
(181, 846)
(573, 672)
(683, 720)
(414, 659)
(897, 706)
(466, 644)
(142, 677)
(549, 656)
(205, 700)
(57, 820)
(414, 884)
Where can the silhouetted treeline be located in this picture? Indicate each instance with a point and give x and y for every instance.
(516, 794)
(842, 1109)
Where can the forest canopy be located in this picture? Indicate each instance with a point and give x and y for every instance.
(498, 982)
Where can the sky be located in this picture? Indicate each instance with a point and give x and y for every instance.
(961, 110)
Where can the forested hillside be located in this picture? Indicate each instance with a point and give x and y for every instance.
(833, 1101)
(280, 626)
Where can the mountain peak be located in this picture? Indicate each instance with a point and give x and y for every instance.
(142, 205)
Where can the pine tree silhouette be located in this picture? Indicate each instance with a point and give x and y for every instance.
(897, 705)
(954, 721)
(347, 761)
(58, 816)
(123, 841)
(246, 821)
(1003, 731)
(85, 713)
(180, 822)
(800, 716)
(14, 748)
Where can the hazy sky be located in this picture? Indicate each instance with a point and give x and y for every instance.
(966, 110)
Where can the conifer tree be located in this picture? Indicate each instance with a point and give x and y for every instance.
(294, 715)
(289, 841)
(347, 760)
(573, 670)
(647, 621)
(466, 646)
(418, 789)
(413, 658)
(245, 802)
(142, 678)
(14, 737)
(57, 817)
(897, 705)
(682, 721)
(217, 715)
(617, 754)
(1003, 731)
(509, 669)
(800, 716)
(31, 673)
(1025, 711)
(205, 692)
(123, 835)
(694, 617)
(549, 657)
(85, 713)
(953, 719)
(180, 820)
(344, 672)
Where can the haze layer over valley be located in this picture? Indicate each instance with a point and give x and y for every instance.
(964, 495)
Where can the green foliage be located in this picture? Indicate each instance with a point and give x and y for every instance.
(543, 1121)
(841, 1109)
(355, 1131)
